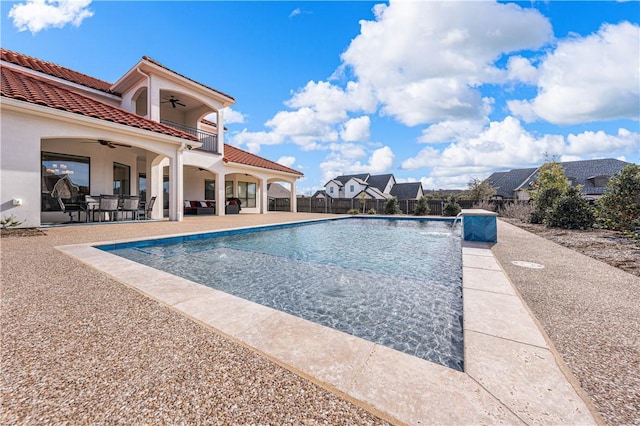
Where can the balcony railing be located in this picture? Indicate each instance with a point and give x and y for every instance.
(209, 140)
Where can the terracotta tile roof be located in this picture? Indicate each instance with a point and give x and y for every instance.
(153, 61)
(25, 87)
(55, 70)
(236, 155)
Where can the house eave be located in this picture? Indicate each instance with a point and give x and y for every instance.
(96, 124)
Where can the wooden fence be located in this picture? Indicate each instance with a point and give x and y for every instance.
(343, 205)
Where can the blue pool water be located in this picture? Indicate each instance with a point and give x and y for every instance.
(393, 282)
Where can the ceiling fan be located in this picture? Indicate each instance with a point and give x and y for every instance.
(173, 101)
(112, 145)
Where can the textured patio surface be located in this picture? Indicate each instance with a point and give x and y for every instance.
(79, 347)
(590, 311)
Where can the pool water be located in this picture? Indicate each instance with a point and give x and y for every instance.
(392, 282)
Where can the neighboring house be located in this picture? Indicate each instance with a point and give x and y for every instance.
(321, 193)
(592, 175)
(275, 190)
(380, 187)
(407, 191)
(145, 134)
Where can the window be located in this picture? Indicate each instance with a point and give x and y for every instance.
(228, 189)
(121, 179)
(351, 188)
(142, 186)
(331, 190)
(209, 189)
(247, 193)
(54, 167)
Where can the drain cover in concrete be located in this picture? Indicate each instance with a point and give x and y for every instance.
(527, 264)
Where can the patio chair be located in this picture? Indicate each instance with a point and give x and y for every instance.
(146, 210)
(130, 204)
(108, 204)
(63, 190)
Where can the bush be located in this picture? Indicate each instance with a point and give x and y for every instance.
(520, 210)
(619, 207)
(543, 203)
(451, 207)
(372, 211)
(353, 211)
(422, 207)
(485, 205)
(391, 206)
(570, 211)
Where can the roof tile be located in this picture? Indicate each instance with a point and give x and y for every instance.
(55, 70)
(236, 155)
(32, 89)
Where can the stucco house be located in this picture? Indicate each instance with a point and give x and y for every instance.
(145, 134)
(360, 185)
(591, 175)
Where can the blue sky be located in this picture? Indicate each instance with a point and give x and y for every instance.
(431, 91)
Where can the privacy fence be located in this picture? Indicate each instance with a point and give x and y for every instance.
(343, 205)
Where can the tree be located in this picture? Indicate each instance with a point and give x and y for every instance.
(619, 207)
(391, 206)
(570, 211)
(422, 206)
(550, 184)
(451, 207)
(480, 190)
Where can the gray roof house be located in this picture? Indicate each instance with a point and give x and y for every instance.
(407, 191)
(592, 175)
(379, 187)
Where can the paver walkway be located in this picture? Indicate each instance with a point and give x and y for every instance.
(590, 311)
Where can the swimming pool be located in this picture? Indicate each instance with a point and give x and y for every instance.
(392, 282)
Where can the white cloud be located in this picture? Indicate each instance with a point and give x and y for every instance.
(38, 15)
(295, 12)
(506, 144)
(253, 140)
(348, 150)
(286, 160)
(305, 127)
(380, 161)
(356, 129)
(424, 59)
(447, 131)
(231, 116)
(588, 79)
(521, 69)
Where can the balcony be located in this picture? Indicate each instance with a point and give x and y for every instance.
(209, 140)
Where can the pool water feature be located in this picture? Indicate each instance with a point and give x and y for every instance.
(392, 282)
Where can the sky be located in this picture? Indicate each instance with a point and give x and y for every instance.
(440, 92)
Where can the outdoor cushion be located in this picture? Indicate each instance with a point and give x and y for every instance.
(203, 204)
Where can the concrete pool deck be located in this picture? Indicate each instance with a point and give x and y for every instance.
(511, 372)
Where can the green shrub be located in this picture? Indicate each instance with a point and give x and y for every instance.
(570, 211)
(544, 202)
(422, 207)
(451, 207)
(391, 206)
(353, 211)
(619, 207)
(372, 211)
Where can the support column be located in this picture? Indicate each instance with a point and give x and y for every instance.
(154, 172)
(177, 190)
(293, 202)
(220, 195)
(220, 126)
(264, 196)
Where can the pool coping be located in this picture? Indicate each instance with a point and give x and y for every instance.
(510, 373)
